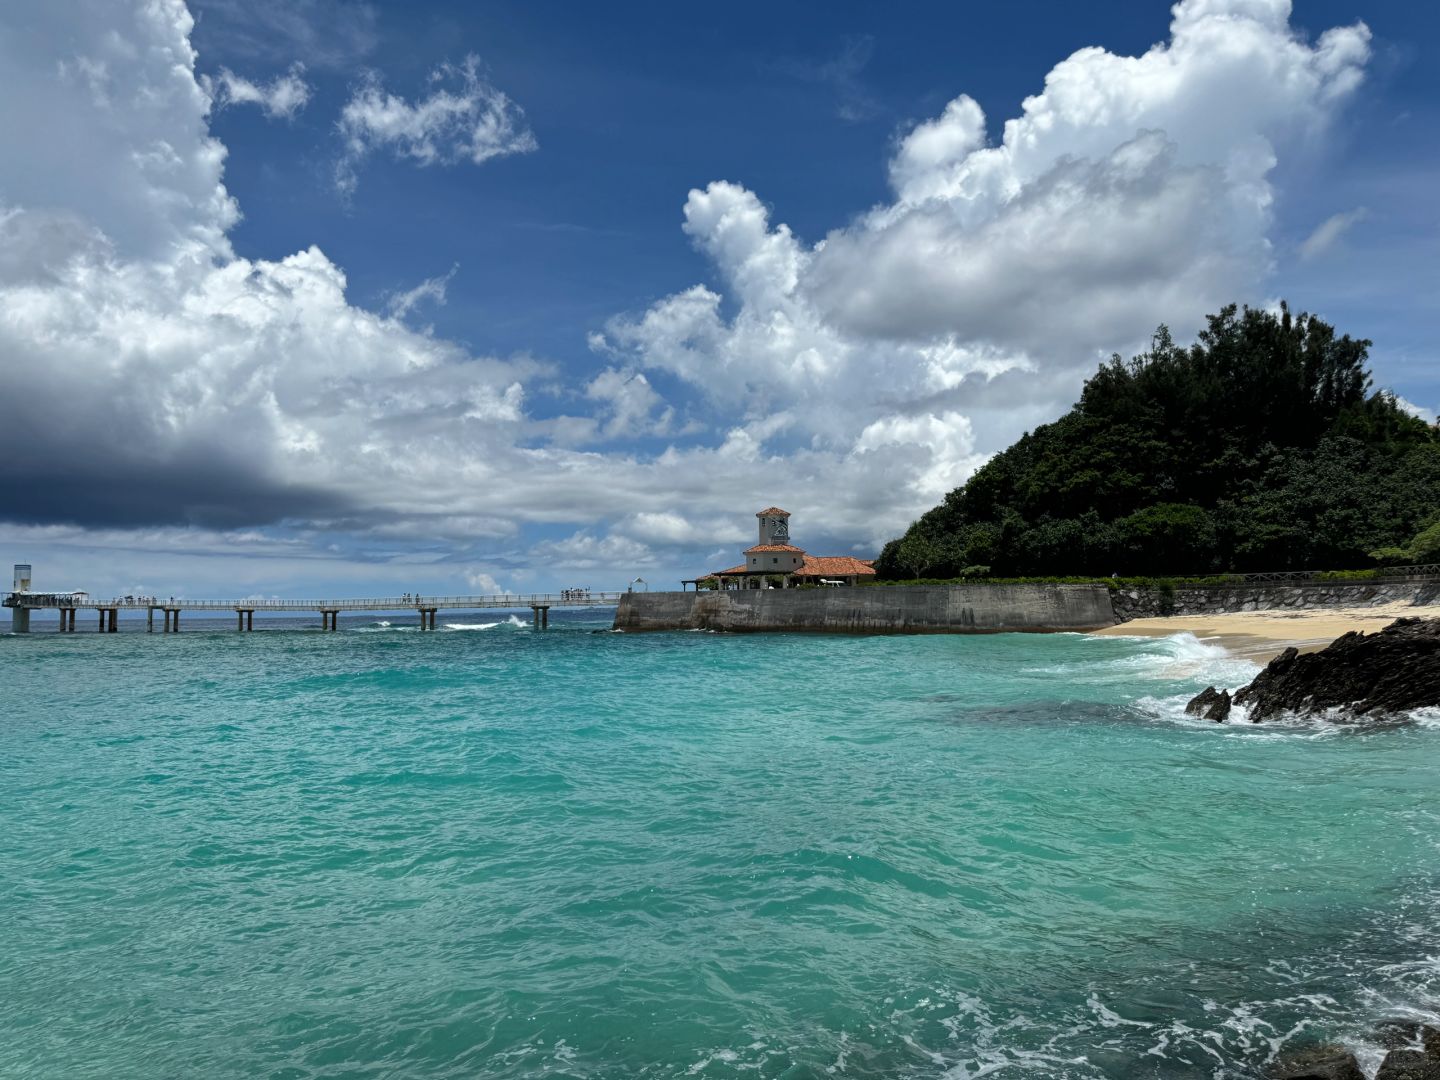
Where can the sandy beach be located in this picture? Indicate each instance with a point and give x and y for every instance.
(1260, 635)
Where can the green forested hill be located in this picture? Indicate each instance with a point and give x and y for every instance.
(1260, 447)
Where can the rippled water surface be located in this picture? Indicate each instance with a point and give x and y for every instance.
(502, 853)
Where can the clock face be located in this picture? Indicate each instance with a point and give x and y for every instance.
(778, 528)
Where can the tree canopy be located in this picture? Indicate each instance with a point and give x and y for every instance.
(1259, 447)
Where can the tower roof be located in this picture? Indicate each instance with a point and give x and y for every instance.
(772, 510)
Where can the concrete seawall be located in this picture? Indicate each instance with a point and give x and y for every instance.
(908, 609)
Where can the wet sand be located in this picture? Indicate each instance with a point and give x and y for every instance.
(1260, 635)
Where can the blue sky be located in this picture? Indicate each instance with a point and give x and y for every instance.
(361, 296)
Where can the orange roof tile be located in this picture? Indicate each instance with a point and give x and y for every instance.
(774, 547)
(771, 510)
(834, 566)
(813, 566)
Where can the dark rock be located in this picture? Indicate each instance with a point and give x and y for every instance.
(1408, 1035)
(1210, 704)
(1408, 1065)
(1317, 1063)
(1391, 671)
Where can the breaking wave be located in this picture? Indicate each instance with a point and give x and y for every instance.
(511, 621)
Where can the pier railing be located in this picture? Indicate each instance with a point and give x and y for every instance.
(566, 598)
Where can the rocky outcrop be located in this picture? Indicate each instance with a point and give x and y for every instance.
(1326, 1062)
(1408, 1065)
(1409, 1035)
(1393, 671)
(1414, 1051)
(1210, 704)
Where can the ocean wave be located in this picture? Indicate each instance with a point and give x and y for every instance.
(511, 621)
(1178, 657)
(1326, 724)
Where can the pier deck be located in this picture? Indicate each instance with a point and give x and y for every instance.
(67, 604)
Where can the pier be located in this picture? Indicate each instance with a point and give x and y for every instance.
(23, 604)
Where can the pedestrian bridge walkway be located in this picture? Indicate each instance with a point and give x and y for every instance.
(67, 604)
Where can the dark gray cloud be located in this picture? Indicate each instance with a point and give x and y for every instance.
(103, 492)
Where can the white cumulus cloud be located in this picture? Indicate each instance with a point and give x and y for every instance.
(282, 97)
(154, 380)
(464, 118)
(933, 329)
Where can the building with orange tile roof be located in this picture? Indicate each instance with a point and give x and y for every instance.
(775, 562)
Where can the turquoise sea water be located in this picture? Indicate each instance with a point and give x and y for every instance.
(493, 852)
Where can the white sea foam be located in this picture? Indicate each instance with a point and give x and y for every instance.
(1179, 657)
(511, 621)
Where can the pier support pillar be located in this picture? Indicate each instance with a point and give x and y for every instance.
(249, 621)
(20, 620)
(239, 622)
(541, 614)
(174, 620)
(101, 628)
(72, 620)
(433, 613)
(149, 620)
(114, 620)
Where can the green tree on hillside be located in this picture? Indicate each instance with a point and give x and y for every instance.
(1259, 447)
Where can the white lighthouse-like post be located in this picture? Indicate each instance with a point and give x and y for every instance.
(20, 616)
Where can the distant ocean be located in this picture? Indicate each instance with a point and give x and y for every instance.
(494, 852)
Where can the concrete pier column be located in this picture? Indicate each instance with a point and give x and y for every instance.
(249, 621)
(101, 628)
(114, 620)
(239, 622)
(544, 618)
(175, 620)
(72, 620)
(20, 620)
(149, 620)
(433, 613)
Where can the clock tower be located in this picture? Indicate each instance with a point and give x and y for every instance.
(774, 526)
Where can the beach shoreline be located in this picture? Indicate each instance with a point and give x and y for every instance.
(1262, 635)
